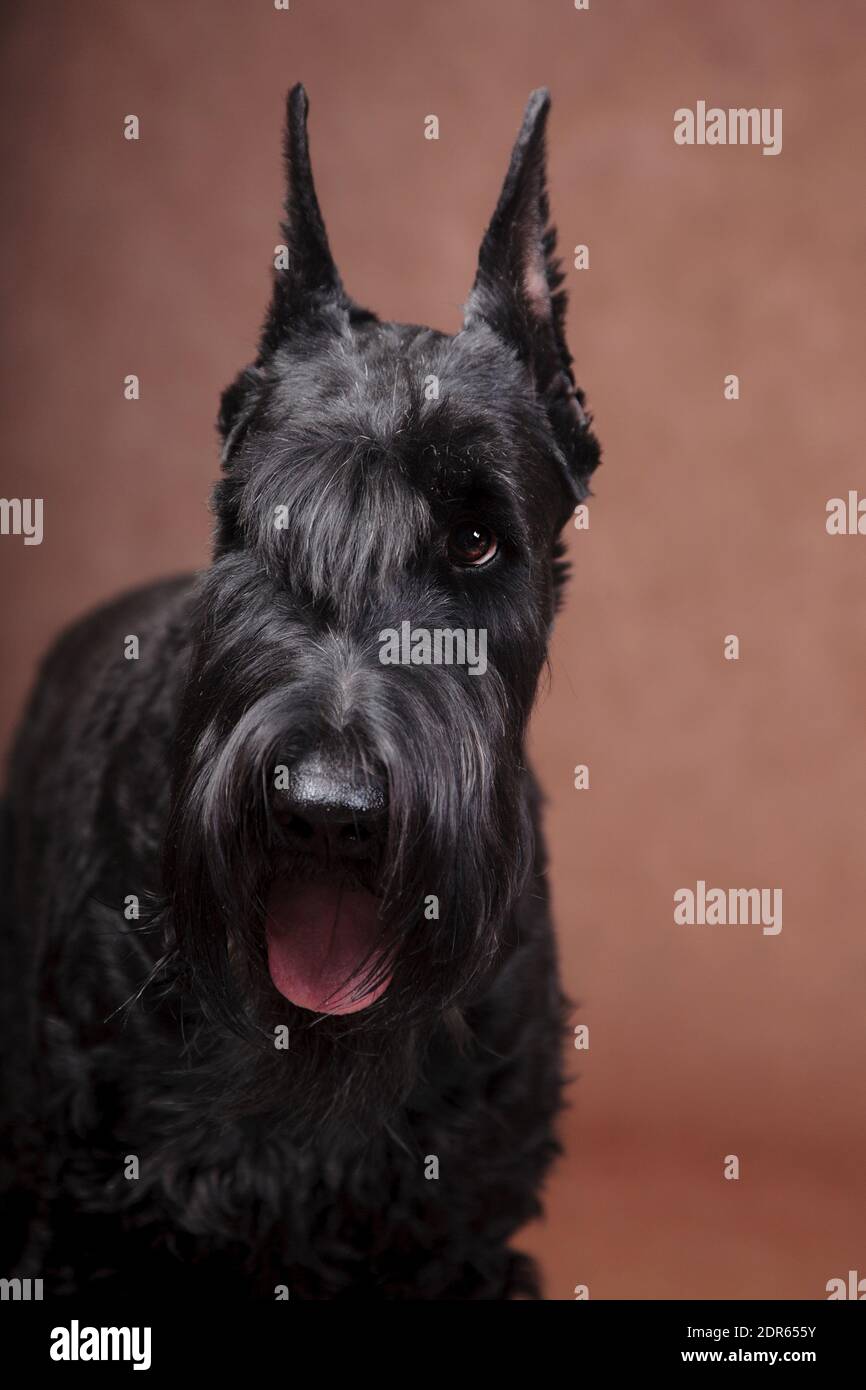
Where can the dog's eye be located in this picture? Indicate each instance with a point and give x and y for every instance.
(471, 543)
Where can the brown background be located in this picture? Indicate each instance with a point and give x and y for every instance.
(709, 516)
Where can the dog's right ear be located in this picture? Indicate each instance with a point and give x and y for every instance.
(307, 293)
(308, 290)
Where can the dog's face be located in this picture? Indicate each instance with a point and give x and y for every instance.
(349, 830)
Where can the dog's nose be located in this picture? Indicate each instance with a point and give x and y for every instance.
(330, 801)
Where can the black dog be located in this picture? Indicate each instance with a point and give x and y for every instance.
(282, 985)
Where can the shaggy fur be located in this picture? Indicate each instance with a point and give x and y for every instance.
(308, 1166)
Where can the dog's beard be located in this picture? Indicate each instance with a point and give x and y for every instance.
(361, 961)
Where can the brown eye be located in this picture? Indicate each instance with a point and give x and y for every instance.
(471, 543)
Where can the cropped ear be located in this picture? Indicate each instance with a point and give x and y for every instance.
(517, 293)
(309, 288)
(307, 293)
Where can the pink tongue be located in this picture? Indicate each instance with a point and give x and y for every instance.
(318, 934)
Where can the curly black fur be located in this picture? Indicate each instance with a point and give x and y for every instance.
(304, 1166)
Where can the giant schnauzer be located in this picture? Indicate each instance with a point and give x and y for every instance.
(281, 998)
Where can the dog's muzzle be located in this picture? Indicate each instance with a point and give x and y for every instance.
(323, 916)
(330, 811)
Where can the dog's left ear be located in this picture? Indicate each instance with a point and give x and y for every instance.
(517, 293)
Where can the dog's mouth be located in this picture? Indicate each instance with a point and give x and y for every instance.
(322, 944)
(323, 923)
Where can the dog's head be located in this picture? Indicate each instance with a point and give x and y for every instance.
(349, 827)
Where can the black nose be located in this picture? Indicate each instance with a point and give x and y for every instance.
(329, 804)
